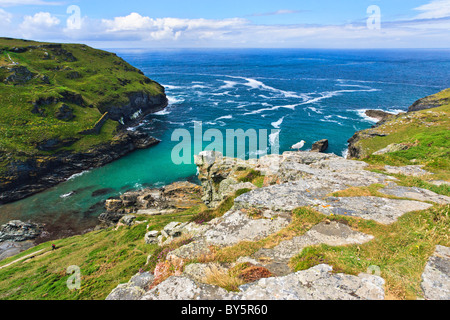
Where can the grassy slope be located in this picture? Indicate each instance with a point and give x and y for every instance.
(103, 79)
(427, 132)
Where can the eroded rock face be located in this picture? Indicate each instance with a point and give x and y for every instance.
(216, 175)
(436, 276)
(320, 146)
(170, 199)
(19, 231)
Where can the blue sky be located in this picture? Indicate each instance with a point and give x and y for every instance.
(231, 23)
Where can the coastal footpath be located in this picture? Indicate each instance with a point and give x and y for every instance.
(65, 108)
(301, 225)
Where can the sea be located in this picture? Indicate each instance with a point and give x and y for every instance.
(292, 94)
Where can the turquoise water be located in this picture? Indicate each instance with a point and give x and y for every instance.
(307, 94)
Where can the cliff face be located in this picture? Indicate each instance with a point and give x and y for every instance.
(64, 108)
(422, 131)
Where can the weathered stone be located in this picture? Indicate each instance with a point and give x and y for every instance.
(151, 237)
(184, 288)
(416, 194)
(128, 220)
(133, 289)
(436, 276)
(392, 148)
(126, 292)
(317, 283)
(199, 271)
(333, 234)
(320, 146)
(414, 170)
(236, 226)
(16, 230)
(382, 210)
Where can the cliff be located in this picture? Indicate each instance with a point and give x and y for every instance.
(419, 136)
(64, 109)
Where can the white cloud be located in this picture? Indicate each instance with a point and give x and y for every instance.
(434, 10)
(276, 13)
(5, 17)
(169, 28)
(41, 23)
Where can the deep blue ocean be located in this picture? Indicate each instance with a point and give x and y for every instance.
(306, 94)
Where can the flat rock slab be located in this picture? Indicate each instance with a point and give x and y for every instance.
(416, 194)
(436, 277)
(317, 283)
(184, 288)
(414, 171)
(236, 226)
(287, 196)
(382, 210)
(333, 234)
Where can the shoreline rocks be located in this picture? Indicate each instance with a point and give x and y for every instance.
(38, 174)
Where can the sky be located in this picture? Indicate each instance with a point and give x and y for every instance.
(231, 23)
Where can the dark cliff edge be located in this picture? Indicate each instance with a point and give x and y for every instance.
(66, 108)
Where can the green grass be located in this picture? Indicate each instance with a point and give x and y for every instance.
(104, 80)
(106, 258)
(400, 250)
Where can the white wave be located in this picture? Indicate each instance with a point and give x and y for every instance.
(228, 84)
(162, 112)
(177, 123)
(67, 195)
(345, 153)
(362, 114)
(256, 84)
(278, 123)
(225, 117)
(274, 138)
(329, 120)
(172, 87)
(76, 175)
(175, 100)
(315, 110)
(330, 94)
(291, 106)
(199, 86)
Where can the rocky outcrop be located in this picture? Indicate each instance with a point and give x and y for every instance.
(301, 179)
(166, 200)
(36, 174)
(320, 146)
(19, 231)
(218, 176)
(429, 102)
(378, 114)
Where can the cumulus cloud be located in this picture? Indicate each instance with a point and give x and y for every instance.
(39, 24)
(169, 28)
(434, 10)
